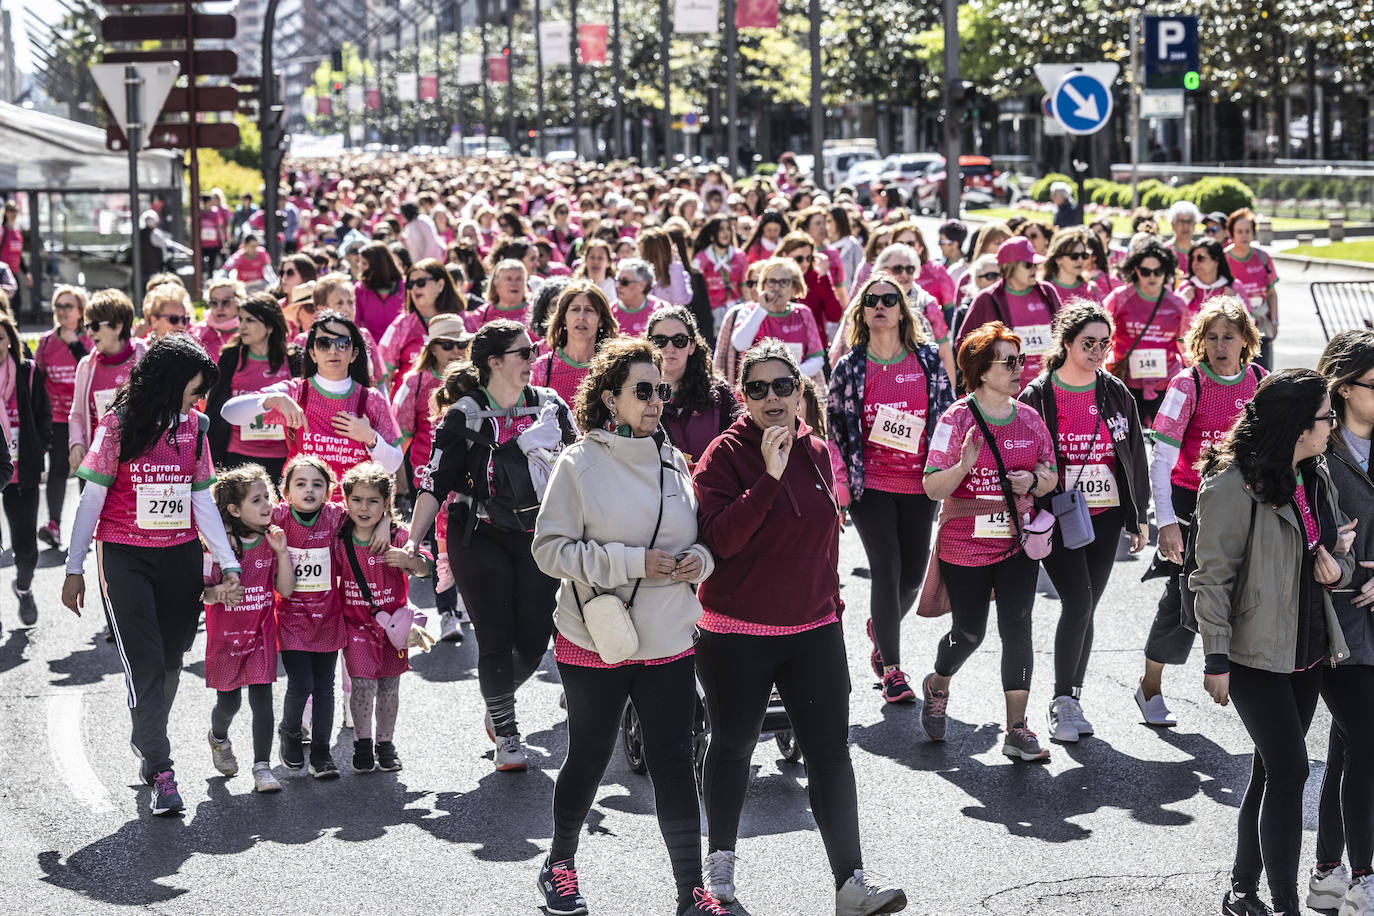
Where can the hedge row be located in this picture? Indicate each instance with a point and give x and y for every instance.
(1209, 194)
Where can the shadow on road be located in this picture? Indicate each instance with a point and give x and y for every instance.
(12, 652)
(89, 665)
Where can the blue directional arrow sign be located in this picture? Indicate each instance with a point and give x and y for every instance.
(1082, 102)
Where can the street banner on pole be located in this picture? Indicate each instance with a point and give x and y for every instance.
(591, 42)
(469, 70)
(374, 99)
(756, 14)
(699, 17)
(555, 43)
(429, 88)
(355, 98)
(324, 107)
(498, 69)
(407, 87)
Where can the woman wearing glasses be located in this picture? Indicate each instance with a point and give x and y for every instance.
(508, 296)
(257, 358)
(620, 517)
(768, 501)
(296, 270)
(335, 293)
(1038, 234)
(826, 308)
(703, 405)
(166, 310)
(978, 545)
(333, 412)
(109, 323)
(581, 322)
(1199, 408)
(489, 404)
(884, 394)
(1207, 275)
(58, 354)
(429, 292)
(1150, 321)
(1099, 450)
(775, 315)
(1272, 543)
(380, 293)
(221, 322)
(634, 278)
(1021, 301)
(1064, 265)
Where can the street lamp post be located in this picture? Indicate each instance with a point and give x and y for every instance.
(953, 178)
(817, 110)
(666, 27)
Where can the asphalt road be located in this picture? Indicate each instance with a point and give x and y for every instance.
(1132, 821)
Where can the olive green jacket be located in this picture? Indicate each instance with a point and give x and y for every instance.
(1245, 587)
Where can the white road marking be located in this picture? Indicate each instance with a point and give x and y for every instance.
(69, 753)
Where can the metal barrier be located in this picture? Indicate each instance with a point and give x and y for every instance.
(1344, 306)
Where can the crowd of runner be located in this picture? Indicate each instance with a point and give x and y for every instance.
(627, 413)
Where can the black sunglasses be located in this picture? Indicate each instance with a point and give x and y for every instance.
(422, 282)
(990, 275)
(1149, 271)
(1074, 255)
(174, 319)
(680, 341)
(624, 281)
(646, 390)
(908, 269)
(1013, 363)
(886, 300)
(326, 343)
(783, 387)
(524, 353)
(448, 346)
(290, 272)
(94, 326)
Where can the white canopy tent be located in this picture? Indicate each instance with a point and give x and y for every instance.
(40, 152)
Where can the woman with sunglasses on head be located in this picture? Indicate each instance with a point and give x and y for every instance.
(884, 393)
(1200, 406)
(380, 293)
(978, 539)
(1021, 301)
(620, 517)
(166, 310)
(1150, 321)
(774, 315)
(488, 405)
(148, 505)
(221, 322)
(429, 292)
(768, 513)
(1099, 451)
(332, 412)
(1065, 264)
(1272, 544)
(58, 354)
(1207, 275)
(258, 357)
(581, 321)
(703, 405)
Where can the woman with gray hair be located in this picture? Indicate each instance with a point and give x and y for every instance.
(634, 278)
(1183, 217)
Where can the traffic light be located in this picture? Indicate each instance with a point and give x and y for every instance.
(533, 133)
(338, 86)
(1192, 81)
(505, 51)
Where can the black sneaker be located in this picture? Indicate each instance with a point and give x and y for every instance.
(28, 608)
(166, 798)
(558, 882)
(292, 749)
(388, 761)
(364, 761)
(324, 768)
(1242, 903)
(703, 904)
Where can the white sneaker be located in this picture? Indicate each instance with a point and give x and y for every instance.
(862, 895)
(510, 754)
(1359, 900)
(1085, 728)
(347, 713)
(1063, 722)
(450, 630)
(222, 755)
(1155, 710)
(718, 871)
(1327, 892)
(461, 612)
(263, 780)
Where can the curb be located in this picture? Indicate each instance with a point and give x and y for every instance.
(1308, 261)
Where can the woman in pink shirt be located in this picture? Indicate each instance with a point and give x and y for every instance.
(57, 354)
(380, 292)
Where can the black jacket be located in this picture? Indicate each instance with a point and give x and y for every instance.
(1117, 407)
(223, 390)
(35, 423)
(1355, 496)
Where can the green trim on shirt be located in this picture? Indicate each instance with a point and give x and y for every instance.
(1064, 386)
(300, 521)
(1136, 287)
(86, 474)
(262, 359)
(889, 362)
(1221, 381)
(203, 484)
(989, 420)
(573, 363)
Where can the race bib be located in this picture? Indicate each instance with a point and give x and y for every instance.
(312, 568)
(996, 525)
(259, 431)
(103, 399)
(209, 235)
(1097, 482)
(897, 430)
(1148, 364)
(1036, 339)
(797, 351)
(163, 506)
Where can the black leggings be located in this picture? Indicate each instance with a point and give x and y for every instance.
(970, 596)
(596, 698)
(152, 599)
(1080, 576)
(812, 674)
(273, 466)
(1170, 642)
(1277, 710)
(307, 674)
(227, 703)
(21, 510)
(511, 605)
(895, 530)
(1346, 817)
(59, 469)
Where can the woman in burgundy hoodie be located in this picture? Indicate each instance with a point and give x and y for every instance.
(770, 614)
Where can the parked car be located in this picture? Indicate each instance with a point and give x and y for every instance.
(908, 171)
(861, 177)
(979, 178)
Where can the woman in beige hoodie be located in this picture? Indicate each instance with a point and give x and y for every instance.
(619, 516)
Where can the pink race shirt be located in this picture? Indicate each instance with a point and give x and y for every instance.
(1253, 275)
(258, 439)
(554, 370)
(795, 327)
(246, 269)
(491, 311)
(412, 406)
(212, 340)
(1083, 289)
(1155, 359)
(896, 401)
(632, 324)
(241, 641)
(1031, 321)
(318, 437)
(1085, 446)
(724, 276)
(367, 651)
(107, 377)
(149, 498)
(310, 619)
(935, 279)
(402, 342)
(1191, 423)
(1023, 441)
(55, 358)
